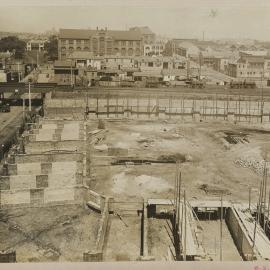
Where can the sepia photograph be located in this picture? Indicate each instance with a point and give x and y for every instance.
(135, 132)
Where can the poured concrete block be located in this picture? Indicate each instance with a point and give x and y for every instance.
(12, 169)
(117, 151)
(56, 137)
(22, 181)
(58, 195)
(29, 168)
(46, 168)
(58, 131)
(11, 197)
(42, 181)
(61, 180)
(64, 167)
(4, 183)
(32, 137)
(37, 196)
(60, 125)
(34, 131)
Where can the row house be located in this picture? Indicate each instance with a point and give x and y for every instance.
(100, 42)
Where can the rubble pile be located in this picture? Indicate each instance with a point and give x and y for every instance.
(255, 165)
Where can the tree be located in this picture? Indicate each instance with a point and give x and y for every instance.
(13, 44)
(51, 48)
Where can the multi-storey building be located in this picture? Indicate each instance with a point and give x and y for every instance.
(148, 36)
(251, 67)
(37, 45)
(156, 48)
(100, 42)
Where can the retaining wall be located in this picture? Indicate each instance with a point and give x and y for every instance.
(241, 240)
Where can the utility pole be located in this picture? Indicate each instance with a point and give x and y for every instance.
(262, 102)
(29, 96)
(18, 71)
(185, 228)
(221, 217)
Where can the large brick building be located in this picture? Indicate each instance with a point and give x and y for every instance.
(100, 42)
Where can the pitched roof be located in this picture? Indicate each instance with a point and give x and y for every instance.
(87, 33)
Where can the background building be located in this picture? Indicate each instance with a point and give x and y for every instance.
(149, 37)
(35, 45)
(100, 42)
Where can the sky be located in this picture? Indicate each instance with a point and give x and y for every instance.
(236, 19)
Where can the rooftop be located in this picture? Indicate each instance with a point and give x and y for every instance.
(87, 33)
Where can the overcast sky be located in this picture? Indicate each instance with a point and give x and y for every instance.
(173, 18)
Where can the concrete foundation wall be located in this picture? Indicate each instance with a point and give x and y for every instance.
(241, 240)
(10, 197)
(61, 180)
(22, 181)
(57, 195)
(41, 147)
(28, 168)
(55, 157)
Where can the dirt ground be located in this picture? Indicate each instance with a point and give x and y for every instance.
(54, 233)
(208, 161)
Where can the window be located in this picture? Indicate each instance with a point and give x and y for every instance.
(78, 48)
(123, 43)
(150, 64)
(138, 43)
(130, 43)
(130, 51)
(70, 42)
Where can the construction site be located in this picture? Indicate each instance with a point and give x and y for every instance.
(137, 176)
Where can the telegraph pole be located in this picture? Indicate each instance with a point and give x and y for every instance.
(29, 95)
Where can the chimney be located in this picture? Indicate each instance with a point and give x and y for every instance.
(97, 27)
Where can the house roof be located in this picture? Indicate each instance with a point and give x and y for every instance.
(87, 33)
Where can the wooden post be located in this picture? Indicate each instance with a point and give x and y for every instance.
(179, 199)
(249, 198)
(255, 231)
(127, 107)
(260, 202)
(264, 200)
(268, 210)
(117, 106)
(148, 107)
(137, 106)
(221, 217)
(108, 104)
(97, 106)
(185, 228)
